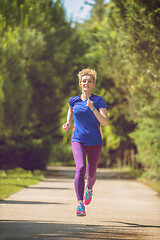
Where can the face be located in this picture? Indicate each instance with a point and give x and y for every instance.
(87, 83)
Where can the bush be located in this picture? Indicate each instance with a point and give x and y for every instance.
(61, 155)
(29, 154)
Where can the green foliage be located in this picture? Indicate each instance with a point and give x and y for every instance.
(61, 154)
(40, 52)
(27, 153)
(126, 43)
(1, 104)
(147, 139)
(107, 39)
(141, 22)
(112, 141)
(16, 87)
(13, 180)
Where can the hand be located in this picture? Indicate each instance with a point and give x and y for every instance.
(90, 104)
(66, 126)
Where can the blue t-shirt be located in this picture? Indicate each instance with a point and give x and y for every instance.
(86, 127)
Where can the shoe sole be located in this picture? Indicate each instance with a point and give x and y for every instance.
(81, 214)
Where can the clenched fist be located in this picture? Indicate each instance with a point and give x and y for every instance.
(90, 104)
(66, 126)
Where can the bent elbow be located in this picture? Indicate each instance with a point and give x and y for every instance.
(105, 124)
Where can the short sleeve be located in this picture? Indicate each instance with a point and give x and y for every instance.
(101, 103)
(71, 102)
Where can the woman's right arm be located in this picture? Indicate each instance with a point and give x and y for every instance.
(66, 126)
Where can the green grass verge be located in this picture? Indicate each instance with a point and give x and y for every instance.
(13, 180)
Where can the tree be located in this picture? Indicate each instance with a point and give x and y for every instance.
(124, 48)
(39, 63)
(141, 22)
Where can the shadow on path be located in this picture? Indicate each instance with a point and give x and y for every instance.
(29, 202)
(48, 188)
(55, 230)
(133, 225)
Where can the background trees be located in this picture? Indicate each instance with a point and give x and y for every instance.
(38, 60)
(124, 48)
(41, 54)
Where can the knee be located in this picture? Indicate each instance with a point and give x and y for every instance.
(92, 175)
(91, 172)
(81, 170)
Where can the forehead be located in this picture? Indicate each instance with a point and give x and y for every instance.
(87, 77)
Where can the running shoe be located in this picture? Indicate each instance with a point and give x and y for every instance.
(87, 196)
(81, 209)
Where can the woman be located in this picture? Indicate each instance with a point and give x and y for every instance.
(89, 112)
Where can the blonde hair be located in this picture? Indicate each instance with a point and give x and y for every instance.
(88, 72)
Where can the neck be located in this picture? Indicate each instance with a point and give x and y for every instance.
(85, 95)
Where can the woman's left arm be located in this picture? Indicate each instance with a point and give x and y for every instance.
(101, 115)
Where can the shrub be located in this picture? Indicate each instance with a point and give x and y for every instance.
(61, 154)
(29, 154)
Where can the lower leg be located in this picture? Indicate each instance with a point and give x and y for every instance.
(79, 155)
(94, 154)
(79, 186)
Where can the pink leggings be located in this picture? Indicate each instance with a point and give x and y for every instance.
(93, 155)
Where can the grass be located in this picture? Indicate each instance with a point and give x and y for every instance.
(13, 180)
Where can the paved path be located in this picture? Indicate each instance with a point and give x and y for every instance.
(121, 209)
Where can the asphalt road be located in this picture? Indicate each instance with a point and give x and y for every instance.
(122, 208)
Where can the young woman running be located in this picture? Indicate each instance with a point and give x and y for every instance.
(89, 111)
